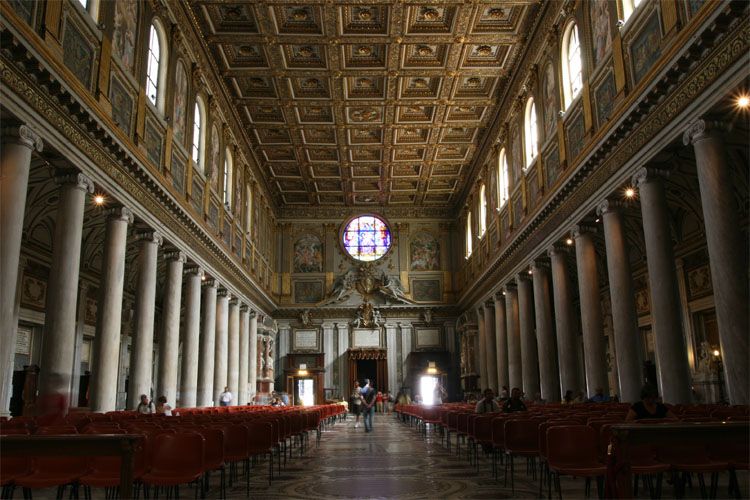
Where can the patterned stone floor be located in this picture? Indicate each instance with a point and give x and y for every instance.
(394, 461)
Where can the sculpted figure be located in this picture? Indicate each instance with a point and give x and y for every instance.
(390, 286)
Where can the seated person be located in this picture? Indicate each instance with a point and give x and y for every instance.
(487, 404)
(515, 403)
(599, 397)
(163, 407)
(568, 398)
(648, 407)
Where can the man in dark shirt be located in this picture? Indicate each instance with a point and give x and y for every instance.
(368, 406)
(515, 403)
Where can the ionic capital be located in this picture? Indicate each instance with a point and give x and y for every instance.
(244, 308)
(490, 304)
(123, 214)
(223, 292)
(234, 301)
(150, 237)
(539, 264)
(582, 229)
(509, 288)
(77, 180)
(608, 206)
(193, 270)
(22, 135)
(253, 314)
(702, 129)
(649, 174)
(176, 256)
(558, 250)
(209, 283)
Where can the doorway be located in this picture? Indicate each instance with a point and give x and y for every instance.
(427, 384)
(368, 368)
(304, 391)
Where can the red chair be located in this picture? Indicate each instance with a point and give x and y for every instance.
(482, 434)
(104, 471)
(12, 469)
(175, 459)
(521, 439)
(260, 442)
(692, 458)
(572, 450)
(214, 456)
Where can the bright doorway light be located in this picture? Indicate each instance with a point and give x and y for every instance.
(427, 389)
(306, 394)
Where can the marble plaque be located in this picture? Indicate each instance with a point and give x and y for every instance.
(366, 337)
(306, 340)
(428, 337)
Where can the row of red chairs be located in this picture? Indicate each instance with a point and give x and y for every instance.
(573, 440)
(177, 450)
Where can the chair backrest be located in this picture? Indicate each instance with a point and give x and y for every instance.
(521, 435)
(571, 444)
(483, 428)
(235, 442)
(214, 446)
(177, 454)
(498, 430)
(260, 437)
(56, 429)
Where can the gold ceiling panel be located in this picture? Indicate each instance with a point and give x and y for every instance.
(353, 103)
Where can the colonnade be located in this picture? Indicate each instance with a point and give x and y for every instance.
(539, 352)
(219, 332)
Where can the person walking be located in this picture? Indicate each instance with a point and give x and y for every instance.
(225, 398)
(356, 398)
(368, 406)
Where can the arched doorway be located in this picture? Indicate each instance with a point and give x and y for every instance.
(371, 364)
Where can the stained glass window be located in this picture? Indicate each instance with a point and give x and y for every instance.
(366, 238)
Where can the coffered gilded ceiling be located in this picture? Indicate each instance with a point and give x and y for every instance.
(364, 104)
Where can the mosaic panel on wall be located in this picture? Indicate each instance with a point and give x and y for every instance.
(180, 104)
(152, 140)
(424, 252)
(550, 101)
(122, 105)
(177, 169)
(645, 49)
(78, 54)
(124, 33)
(308, 292)
(427, 290)
(515, 157)
(604, 97)
(308, 254)
(213, 162)
(551, 166)
(575, 131)
(24, 8)
(601, 33)
(196, 194)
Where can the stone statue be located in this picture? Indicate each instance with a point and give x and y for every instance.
(427, 314)
(342, 288)
(377, 318)
(304, 317)
(390, 286)
(365, 316)
(269, 359)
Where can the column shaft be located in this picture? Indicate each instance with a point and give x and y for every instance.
(567, 342)
(222, 345)
(60, 320)
(207, 345)
(591, 312)
(191, 338)
(529, 359)
(548, 374)
(671, 354)
(491, 346)
(109, 318)
(253, 369)
(244, 353)
(15, 161)
(142, 347)
(514, 337)
(727, 255)
(233, 350)
(484, 382)
(624, 316)
(501, 342)
(169, 343)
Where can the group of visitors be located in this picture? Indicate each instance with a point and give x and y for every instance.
(512, 404)
(146, 406)
(364, 401)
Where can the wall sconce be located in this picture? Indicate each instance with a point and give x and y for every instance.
(431, 368)
(302, 369)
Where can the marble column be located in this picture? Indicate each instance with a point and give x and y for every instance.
(727, 254)
(484, 382)
(628, 349)
(109, 313)
(18, 143)
(591, 311)
(169, 343)
(548, 374)
(252, 375)
(222, 344)
(501, 342)
(191, 337)
(142, 346)
(491, 346)
(513, 328)
(244, 354)
(60, 320)
(343, 337)
(328, 354)
(205, 395)
(391, 339)
(672, 367)
(529, 359)
(567, 342)
(405, 350)
(233, 349)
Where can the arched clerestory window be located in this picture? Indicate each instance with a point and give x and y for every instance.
(530, 132)
(469, 243)
(156, 67)
(199, 135)
(503, 187)
(228, 178)
(572, 65)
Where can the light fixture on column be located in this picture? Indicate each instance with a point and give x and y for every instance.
(629, 193)
(302, 369)
(432, 368)
(716, 353)
(743, 101)
(569, 241)
(99, 199)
